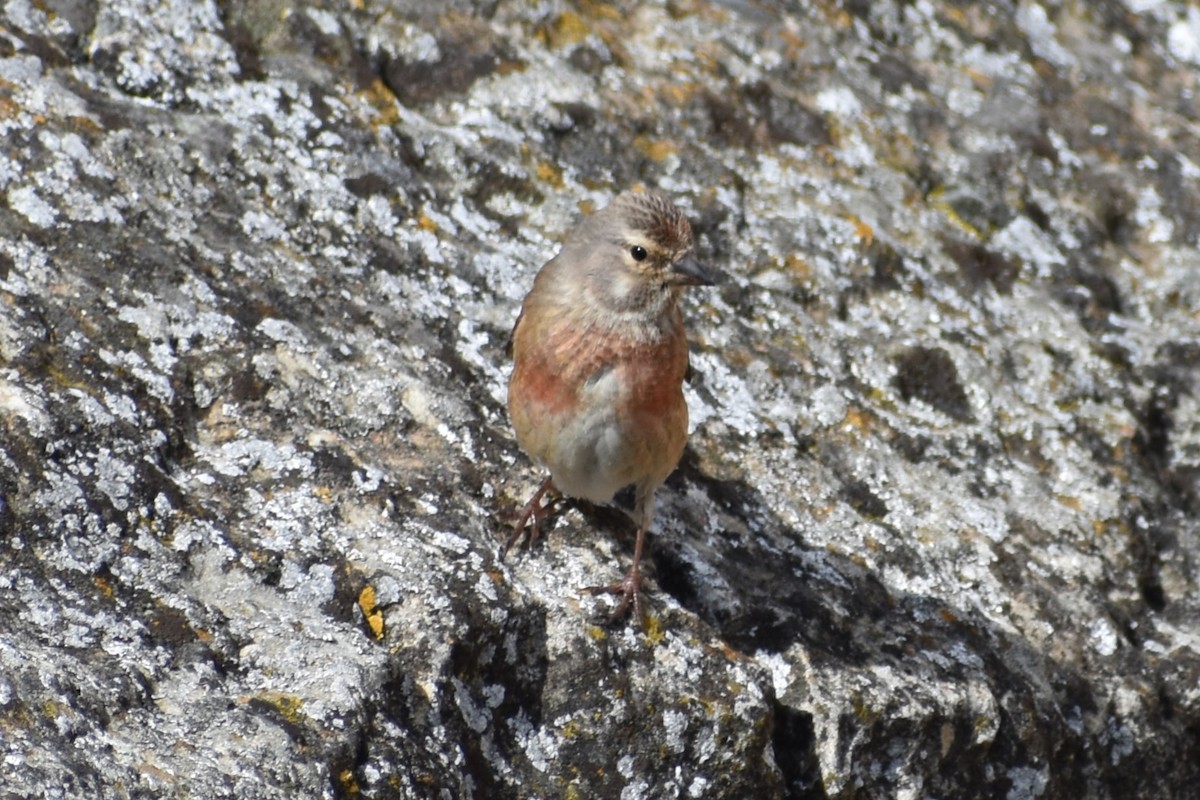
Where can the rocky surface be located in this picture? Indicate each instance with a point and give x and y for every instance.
(937, 532)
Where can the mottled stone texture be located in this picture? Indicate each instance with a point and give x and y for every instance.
(937, 532)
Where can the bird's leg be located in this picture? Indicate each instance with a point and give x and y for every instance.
(533, 509)
(629, 588)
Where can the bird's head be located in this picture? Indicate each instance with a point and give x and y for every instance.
(636, 254)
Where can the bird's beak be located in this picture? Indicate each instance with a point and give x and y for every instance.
(688, 272)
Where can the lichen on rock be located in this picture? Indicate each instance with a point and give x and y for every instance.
(936, 532)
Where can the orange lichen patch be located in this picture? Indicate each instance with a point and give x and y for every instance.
(324, 494)
(510, 66)
(567, 29)
(85, 125)
(426, 223)
(798, 266)
(1073, 503)
(863, 230)
(656, 149)
(682, 9)
(710, 57)
(822, 513)
(740, 359)
(857, 419)
(348, 783)
(793, 42)
(289, 706)
(955, 15)
(655, 631)
(371, 613)
(598, 10)
(837, 17)
(104, 585)
(383, 100)
(680, 93)
(549, 173)
(951, 214)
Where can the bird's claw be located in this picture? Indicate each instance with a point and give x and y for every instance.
(629, 589)
(533, 513)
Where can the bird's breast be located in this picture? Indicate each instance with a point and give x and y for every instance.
(600, 407)
(562, 368)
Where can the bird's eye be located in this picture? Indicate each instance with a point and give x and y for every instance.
(638, 252)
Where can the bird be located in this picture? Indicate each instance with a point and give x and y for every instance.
(600, 356)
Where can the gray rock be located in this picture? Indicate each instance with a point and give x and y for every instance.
(937, 530)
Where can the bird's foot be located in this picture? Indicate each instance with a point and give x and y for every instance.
(629, 589)
(533, 513)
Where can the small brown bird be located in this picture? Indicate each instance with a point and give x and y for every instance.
(600, 356)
